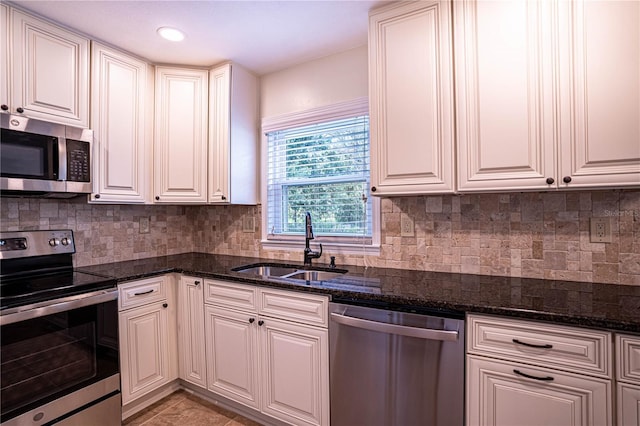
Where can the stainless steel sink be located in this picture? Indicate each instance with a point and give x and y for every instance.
(313, 275)
(267, 270)
(271, 271)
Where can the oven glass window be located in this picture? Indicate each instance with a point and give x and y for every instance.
(27, 155)
(44, 358)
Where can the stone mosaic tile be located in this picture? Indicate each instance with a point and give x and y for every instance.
(531, 235)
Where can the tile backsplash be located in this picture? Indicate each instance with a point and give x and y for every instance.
(536, 235)
(104, 233)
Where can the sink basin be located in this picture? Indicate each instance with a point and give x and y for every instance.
(266, 271)
(311, 275)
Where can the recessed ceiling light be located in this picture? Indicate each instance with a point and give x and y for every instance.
(171, 34)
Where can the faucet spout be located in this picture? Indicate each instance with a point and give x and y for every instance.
(308, 236)
(308, 227)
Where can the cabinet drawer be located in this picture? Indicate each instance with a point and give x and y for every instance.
(628, 353)
(141, 292)
(230, 295)
(300, 307)
(566, 348)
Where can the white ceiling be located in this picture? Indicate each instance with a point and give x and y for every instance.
(264, 36)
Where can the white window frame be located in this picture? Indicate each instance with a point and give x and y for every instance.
(330, 244)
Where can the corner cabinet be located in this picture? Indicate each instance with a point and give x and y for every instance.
(411, 94)
(233, 120)
(122, 121)
(180, 154)
(268, 350)
(147, 327)
(49, 77)
(192, 359)
(527, 373)
(539, 105)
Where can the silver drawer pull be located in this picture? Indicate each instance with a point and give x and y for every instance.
(531, 345)
(529, 376)
(144, 292)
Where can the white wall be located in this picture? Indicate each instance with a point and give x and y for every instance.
(324, 81)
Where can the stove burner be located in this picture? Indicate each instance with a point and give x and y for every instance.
(37, 266)
(26, 290)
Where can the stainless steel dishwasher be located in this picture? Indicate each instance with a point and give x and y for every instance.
(395, 368)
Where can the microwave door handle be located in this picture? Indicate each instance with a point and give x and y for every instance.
(57, 306)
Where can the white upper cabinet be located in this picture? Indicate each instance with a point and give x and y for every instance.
(233, 117)
(410, 95)
(504, 95)
(600, 93)
(547, 94)
(121, 118)
(4, 57)
(180, 146)
(50, 71)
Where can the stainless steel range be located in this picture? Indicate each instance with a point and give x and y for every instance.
(58, 335)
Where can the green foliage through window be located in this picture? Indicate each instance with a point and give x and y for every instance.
(322, 169)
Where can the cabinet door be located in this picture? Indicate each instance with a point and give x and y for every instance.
(295, 372)
(410, 90)
(219, 122)
(600, 113)
(504, 95)
(122, 147)
(50, 71)
(180, 148)
(145, 354)
(233, 162)
(4, 57)
(191, 353)
(628, 397)
(232, 354)
(497, 395)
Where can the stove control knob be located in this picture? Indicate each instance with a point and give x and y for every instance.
(53, 242)
(64, 241)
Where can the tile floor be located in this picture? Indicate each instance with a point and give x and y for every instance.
(182, 408)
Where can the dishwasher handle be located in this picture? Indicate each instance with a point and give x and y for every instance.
(401, 330)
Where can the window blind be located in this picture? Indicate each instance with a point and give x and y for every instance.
(323, 169)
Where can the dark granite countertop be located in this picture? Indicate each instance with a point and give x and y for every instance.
(594, 305)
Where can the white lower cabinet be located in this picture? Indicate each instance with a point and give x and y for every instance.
(508, 393)
(515, 374)
(294, 372)
(232, 345)
(257, 355)
(147, 336)
(628, 376)
(191, 354)
(628, 404)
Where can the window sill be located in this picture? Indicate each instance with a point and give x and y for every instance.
(328, 248)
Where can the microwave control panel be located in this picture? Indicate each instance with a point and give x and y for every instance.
(78, 169)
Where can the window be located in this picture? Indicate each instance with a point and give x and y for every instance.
(320, 164)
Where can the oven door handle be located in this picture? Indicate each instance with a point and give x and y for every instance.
(23, 313)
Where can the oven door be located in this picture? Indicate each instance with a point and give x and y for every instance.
(58, 359)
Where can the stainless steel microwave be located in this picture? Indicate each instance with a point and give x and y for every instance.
(39, 158)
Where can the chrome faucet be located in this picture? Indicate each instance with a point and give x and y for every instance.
(308, 236)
